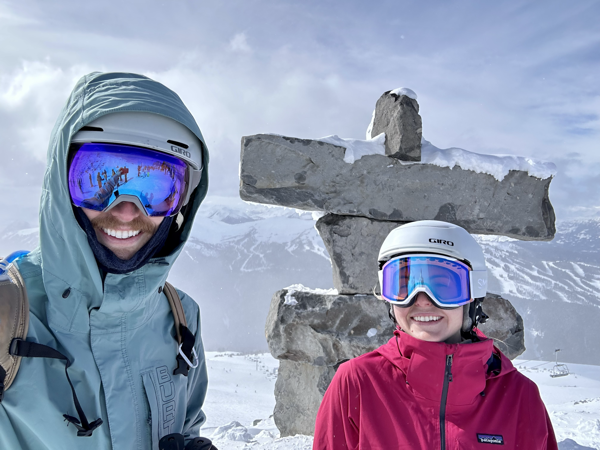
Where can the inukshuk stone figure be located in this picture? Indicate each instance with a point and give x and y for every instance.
(363, 198)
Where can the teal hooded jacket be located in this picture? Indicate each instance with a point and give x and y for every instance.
(118, 333)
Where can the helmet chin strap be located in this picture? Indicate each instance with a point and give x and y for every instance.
(473, 316)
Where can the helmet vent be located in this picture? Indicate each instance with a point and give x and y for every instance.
(87, 128)
(178, 144)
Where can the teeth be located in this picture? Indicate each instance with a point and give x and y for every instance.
(426, 318)
(120, 234)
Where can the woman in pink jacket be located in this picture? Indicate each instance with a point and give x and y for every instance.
(438, 383)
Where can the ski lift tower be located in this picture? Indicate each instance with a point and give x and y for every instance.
(559, 370)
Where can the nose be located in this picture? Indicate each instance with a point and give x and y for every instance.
(125, 211)
(423, 299)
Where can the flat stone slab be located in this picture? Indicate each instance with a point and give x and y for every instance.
(325, 330)
(313, 176)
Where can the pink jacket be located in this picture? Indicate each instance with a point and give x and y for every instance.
(413, 394)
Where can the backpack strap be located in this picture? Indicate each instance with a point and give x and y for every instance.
(14, 323)
(186, 353)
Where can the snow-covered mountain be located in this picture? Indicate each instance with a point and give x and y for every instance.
(239, 254)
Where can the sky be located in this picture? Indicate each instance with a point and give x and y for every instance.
(513, 77)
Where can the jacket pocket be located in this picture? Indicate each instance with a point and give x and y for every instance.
(167, 399)
(153, 411)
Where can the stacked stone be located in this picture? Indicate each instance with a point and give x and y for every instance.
(312, 333)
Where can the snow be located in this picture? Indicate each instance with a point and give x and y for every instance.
(404, 91)
(496, 165)
(357, 148)
(289, 297)
(240, 402)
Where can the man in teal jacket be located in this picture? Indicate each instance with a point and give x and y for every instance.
(95, 283)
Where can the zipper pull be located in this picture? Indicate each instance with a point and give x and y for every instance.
(449, 359)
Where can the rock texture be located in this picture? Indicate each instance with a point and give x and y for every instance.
(505, 325)
(353, 244)
(312, 334)
(312, 175)
(299, 390)
(324, 330)
(398, 117)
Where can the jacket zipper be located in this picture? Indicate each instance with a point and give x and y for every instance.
(447, 380)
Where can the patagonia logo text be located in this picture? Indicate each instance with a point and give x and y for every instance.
(490, 439)
(441, 241)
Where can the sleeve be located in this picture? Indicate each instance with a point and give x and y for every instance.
(539, 428)
(197, 378)
(335, 428)
(551, 443)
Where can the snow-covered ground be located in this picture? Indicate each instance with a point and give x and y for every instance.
(240, 402)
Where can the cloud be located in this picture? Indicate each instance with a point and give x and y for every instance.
(239, 43)
(502, 78)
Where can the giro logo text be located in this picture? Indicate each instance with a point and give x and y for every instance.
(166, 388)
(441, 241)
(181, 151)
(490, 439)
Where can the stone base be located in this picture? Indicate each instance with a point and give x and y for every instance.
(298, 393)
(312, 334)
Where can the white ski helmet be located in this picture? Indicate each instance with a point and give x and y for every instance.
(148, 130)
(437, 237)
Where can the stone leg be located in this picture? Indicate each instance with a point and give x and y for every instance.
(298, 393)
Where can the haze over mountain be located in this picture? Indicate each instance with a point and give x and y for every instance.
(240, 254)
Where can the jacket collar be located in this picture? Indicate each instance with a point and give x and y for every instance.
(424, 364)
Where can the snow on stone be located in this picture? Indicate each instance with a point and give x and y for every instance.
(496, 165)
(240, 401)
(372, 332)
(370, 127)
(291, 290)
(357, 148)
(405, 91)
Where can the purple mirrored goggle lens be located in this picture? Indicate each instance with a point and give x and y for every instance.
(100, 173)
(446, 280)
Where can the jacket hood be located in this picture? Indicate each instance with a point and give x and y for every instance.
(424, 363)
(65, 252)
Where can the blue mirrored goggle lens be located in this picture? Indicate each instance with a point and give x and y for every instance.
(447, 280)
(99, 173)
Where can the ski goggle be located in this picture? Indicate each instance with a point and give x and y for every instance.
(103, 175)
(445, 280)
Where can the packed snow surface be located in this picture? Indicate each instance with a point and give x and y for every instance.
(404, 91)
(291, 290)
(496, 165)
(240, 401)
(357, 148)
